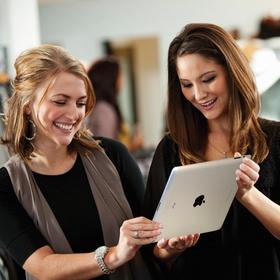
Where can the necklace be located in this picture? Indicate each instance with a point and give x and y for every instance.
(224, 153)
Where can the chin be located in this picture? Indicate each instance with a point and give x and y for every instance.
(64, 142)
(212, 115)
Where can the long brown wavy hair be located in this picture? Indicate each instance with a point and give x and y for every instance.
(187, 125)
(33, 67)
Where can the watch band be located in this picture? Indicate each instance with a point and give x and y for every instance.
(100, 254)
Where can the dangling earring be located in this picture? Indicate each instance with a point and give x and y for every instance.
(31, 128)
(77, 135)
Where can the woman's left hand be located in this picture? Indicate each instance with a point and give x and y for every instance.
(169, 248)
(246, 176)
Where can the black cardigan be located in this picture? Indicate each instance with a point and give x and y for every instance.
(243, 249)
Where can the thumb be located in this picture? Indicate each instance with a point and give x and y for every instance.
(236, 155)
(162, 243)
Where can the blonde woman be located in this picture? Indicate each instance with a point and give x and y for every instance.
(67, 200)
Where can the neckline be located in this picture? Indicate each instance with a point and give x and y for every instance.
(61, 174)
(223, 153)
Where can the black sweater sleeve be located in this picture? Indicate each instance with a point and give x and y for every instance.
(165, 158)
(18, 235)
(130, 174)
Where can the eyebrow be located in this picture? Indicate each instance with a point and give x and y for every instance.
(67, 96)
(208, 72)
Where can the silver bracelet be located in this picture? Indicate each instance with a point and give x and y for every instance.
(100, 254)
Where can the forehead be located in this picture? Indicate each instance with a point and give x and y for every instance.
(193, 65)
(63, 83)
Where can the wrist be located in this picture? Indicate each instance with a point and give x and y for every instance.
(100, 256)
(243, 195)
(111, 259)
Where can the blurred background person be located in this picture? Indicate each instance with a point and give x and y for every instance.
(106, 119)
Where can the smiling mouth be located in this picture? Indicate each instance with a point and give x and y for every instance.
(208, 104)
(64, 126)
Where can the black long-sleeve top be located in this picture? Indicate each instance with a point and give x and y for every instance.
(243, 249)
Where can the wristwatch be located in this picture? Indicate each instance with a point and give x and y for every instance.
(100, 254)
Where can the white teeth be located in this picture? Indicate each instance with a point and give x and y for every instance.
(64, 126)
(208, 103)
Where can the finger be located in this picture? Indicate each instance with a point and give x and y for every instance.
(252, 174)
(181, 245)
(191, 240)
(162, 243)
(143, 241)
(242, 178)
(173, 242)
(138, 220)
(196, 237)
(144, 226)
(237, 155)
(140, 234)
(251, 164)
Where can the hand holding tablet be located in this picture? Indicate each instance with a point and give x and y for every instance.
(197, 197)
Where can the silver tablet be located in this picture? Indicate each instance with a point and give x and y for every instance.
(197, 197)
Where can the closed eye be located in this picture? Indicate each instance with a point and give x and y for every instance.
(60, 102)
(186, 85)
(209, 80)
(81, 104)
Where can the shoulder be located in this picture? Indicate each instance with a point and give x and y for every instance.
(166, 155)
(166, 142)
(270, 166)
(114, 149)
(5, 181)
(270, 127)
(167, 146)
(12, 166)
(111, 145)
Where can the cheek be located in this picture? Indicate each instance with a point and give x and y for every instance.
(221, 87)
(187, 94)
(46, 115)
(82, 113)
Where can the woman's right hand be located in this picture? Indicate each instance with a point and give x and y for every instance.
(133, 234)
(167, 249)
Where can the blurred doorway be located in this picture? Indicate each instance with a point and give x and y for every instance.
(139, 58)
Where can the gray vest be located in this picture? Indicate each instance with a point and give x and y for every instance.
(110, 199)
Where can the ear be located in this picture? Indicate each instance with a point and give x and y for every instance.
(27, 110)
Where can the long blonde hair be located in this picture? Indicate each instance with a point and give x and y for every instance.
(188, 127)
(33, 67)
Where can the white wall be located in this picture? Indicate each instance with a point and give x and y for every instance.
(19, 27)
(3, 23)
(80, 26)
(150, 101)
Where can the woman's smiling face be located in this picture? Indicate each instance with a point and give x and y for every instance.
(204, 84)
(59, 112)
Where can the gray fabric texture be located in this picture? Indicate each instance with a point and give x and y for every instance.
(110, 199)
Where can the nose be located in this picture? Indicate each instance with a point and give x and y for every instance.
(73, 112)
(199, 92)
